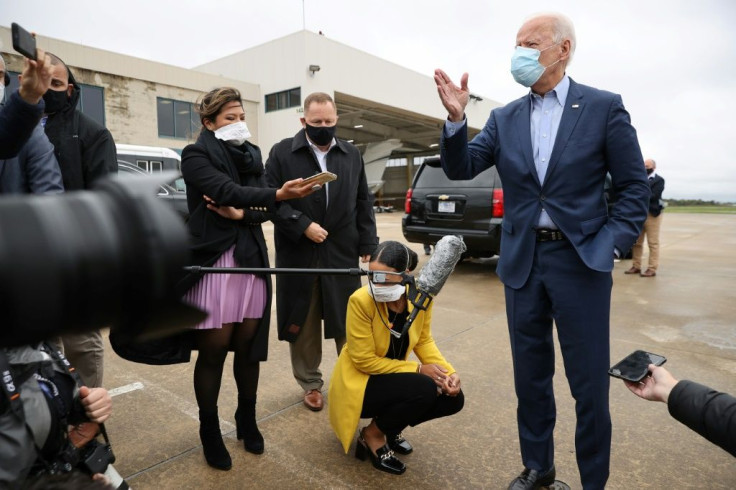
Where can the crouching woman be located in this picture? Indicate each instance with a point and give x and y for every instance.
(373, 378)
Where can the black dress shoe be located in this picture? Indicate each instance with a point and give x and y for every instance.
(399, 444)
(533, 479)
(383, 460)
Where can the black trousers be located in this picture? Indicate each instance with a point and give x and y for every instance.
(398, 400)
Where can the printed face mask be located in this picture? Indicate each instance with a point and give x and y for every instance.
(235, 133)
(385, 294)
(525, 66)
(321, 135)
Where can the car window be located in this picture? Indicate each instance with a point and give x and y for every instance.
(432, 176)
(179, 185)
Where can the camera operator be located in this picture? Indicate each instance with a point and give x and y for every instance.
(20, 115)
(48, 423)
(708, 412)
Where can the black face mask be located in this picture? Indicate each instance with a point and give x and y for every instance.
(321, 135)
(55, 100)
(649, 171)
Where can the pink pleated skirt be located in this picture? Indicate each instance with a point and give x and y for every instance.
(227, 298)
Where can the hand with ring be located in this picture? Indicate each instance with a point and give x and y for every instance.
(436, 372)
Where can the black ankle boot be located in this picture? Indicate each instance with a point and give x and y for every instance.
(245, 423)
(214, 449)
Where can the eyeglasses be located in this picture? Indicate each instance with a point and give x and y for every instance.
(384, 277)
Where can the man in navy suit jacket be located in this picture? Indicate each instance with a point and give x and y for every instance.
(552, 149)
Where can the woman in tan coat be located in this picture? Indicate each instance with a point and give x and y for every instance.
(374, 379)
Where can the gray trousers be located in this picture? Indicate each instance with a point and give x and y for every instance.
(85, 352)
(306, 352)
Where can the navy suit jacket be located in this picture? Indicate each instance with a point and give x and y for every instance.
(595, 136)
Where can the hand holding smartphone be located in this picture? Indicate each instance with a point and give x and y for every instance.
(320, 178)
(23, 42)
(635, 366)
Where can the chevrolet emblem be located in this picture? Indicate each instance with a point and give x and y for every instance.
(443, 197)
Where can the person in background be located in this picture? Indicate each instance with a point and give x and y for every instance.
(35, 169)
(651, 226)
(86, 152)
(331, 229)
(25, 106)
(228, 199)
(710, 413)
(374, 379)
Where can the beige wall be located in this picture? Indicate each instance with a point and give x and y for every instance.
(131, 86)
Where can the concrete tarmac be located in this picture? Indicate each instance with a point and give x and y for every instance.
(686, 313)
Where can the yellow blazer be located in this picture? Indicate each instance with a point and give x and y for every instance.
(368, 341)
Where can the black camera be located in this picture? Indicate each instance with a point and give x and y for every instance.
(96, 457)
(90, 259)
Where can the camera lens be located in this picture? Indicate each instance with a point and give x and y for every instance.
(90, 259)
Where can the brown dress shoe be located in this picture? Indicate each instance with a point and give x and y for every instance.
(649, 273)
(313, 400)
(633, 270)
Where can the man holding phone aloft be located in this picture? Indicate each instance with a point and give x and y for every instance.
(552, 149)
(331, 228)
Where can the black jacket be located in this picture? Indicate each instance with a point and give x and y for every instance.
(656, 184)
(84, 149)
(348, 219)
(706, 411)
(209, 169)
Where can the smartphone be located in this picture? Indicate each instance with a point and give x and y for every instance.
(23, 41)
(634, 366)
(321, 178)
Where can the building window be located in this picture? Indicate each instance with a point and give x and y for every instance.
(92, 102)
(284, 100)
(176, 119)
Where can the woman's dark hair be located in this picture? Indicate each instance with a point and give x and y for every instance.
(210, 104)
(395, 255)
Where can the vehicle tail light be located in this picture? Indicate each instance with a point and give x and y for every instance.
(407, 203)
(497, 202)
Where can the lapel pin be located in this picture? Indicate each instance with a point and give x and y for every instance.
(575, 106)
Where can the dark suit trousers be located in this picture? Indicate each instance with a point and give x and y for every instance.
(578, 299)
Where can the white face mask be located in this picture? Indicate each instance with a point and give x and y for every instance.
(235, 133)
(386, 294)
(2, 91)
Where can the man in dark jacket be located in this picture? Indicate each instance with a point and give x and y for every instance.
(710, 413)
(651, 226)
(329, 229)
(86, 152)
(35, 169)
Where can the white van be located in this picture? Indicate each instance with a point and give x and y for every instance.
(149, 158)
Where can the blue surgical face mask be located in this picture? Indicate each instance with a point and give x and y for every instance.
(525, 66)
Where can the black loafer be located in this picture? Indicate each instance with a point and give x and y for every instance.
(533, 479)
(383, 460)
(398, 443)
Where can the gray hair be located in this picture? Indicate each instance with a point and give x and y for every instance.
(563, 29)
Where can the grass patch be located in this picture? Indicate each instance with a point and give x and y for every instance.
(702, 209)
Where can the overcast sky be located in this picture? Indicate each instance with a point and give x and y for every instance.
(673, 61)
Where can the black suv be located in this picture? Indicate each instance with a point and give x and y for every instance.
(437, 206)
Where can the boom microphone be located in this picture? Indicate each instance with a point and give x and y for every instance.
(434, 274)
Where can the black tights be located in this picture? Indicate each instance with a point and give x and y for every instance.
(213, 345)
